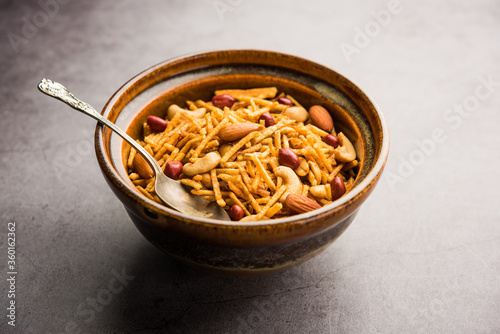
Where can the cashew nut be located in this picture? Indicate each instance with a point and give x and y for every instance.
(290, 179)
(345, 152)
(203, 165)
(318, 191)
(303, 169)
(297, 113)
(223, 149)
(250, 218)
(206, 180)
(174, 109)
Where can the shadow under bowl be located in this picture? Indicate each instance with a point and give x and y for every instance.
(241, 247)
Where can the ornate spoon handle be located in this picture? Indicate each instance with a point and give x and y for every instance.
(60, 92)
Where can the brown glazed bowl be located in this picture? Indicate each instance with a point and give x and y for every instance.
(241, 247)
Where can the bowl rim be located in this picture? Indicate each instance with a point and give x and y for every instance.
(108, 168)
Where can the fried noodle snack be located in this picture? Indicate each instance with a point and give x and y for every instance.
(250, 148)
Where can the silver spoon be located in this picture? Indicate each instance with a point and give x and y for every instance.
(172, 193)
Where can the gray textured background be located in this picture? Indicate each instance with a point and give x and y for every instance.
(423, 254)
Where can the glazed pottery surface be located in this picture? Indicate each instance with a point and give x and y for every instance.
(242, 247)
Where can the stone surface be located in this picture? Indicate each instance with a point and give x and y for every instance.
(422, 256)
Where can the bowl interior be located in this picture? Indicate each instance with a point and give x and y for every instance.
(203, 89)
(198, 76)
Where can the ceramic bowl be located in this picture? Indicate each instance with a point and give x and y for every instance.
(242, 247)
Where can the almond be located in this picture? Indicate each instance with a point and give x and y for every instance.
(321, 118)
(236, 131)
(300, 203)
(142, 168)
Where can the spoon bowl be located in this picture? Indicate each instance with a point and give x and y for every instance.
(172, 193)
